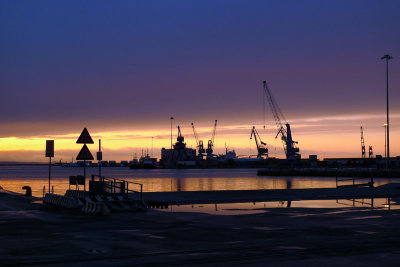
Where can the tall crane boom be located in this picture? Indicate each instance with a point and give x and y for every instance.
(276, 111)
(362, 143)
(199, 143)
(210, 144)
(262, 149)
(289, 145)
(195, 134)
(213, 132)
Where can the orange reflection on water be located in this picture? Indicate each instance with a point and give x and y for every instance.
(160, 180)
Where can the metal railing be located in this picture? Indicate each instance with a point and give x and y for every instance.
(356, 201)
(354, 179)
(44, 190)
(118, 186)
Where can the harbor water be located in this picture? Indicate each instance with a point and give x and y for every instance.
(13, 178)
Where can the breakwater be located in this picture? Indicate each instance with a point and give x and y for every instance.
(330, 172)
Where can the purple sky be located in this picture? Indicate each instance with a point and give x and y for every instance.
(116, 64)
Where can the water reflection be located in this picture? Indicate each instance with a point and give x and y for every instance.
(14, 178)
(261, 207)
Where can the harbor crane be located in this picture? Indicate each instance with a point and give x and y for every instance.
(362, 143)
(178, 152)
(210, 144)
(363, 151)
(291, 150)
(180, 138)
(179, 146)
(262, 149)
(199, 143)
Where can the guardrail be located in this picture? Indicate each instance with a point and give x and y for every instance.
(119, 186)
(44, 190)
(354, 179)
(354, 201)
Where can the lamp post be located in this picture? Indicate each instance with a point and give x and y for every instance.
(387, 57)
(152, 146)
(171, 130)
(385, 126)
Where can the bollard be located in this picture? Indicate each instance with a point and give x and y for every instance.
(28, 189)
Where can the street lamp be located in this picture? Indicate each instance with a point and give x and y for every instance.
(171, 130)
(385, 126)
(387, 57)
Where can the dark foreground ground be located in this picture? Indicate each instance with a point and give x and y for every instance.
(32, 235)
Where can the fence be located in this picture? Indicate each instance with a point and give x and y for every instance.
(118, 186)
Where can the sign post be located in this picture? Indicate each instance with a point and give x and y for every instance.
(99, 157)
(84, 154)
(49, 154)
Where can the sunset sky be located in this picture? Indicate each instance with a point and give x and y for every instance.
(123, 68)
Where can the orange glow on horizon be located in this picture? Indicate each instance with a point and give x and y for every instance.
(315, 136)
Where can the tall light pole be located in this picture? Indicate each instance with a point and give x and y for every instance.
(171, 130)
(387, 57)
(152, 146)
(385, 125)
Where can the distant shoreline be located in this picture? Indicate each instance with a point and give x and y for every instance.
(23, 164)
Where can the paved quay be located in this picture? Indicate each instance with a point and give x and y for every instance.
(33, 235)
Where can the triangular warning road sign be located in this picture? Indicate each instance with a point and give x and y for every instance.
(84, 154)
(85, 138)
